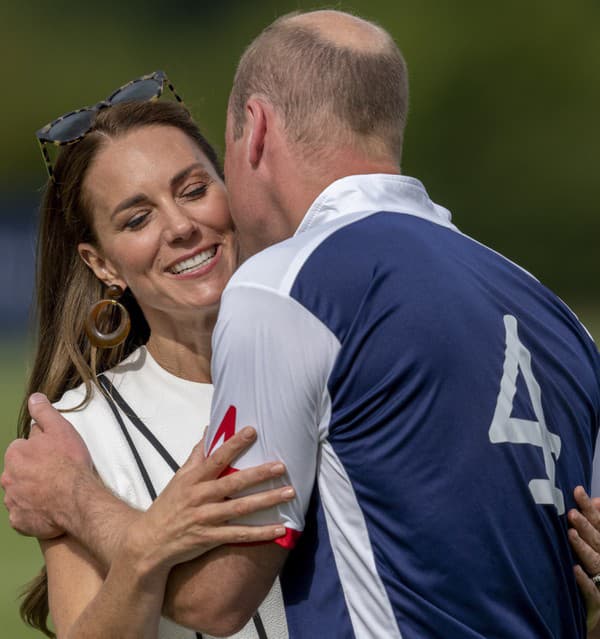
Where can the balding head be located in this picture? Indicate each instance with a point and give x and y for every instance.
(344, 30)
(335, 79)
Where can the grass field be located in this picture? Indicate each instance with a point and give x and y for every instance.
(20, 557)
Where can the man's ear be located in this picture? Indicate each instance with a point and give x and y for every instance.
(258, 117)
(102, 268)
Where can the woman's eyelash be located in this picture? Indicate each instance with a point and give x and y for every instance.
(136, 221)
(195, 191)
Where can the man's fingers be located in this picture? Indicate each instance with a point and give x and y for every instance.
(12, 457)
(43, 413)
(35, 430)
(8, 502)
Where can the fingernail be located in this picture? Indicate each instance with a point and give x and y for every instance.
(277, 469)
(280, 531)
(37, 398)
(288, 492)
(248, 433)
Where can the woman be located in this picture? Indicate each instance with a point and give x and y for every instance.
(137, 202)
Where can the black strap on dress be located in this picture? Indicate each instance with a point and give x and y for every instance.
(116, 401)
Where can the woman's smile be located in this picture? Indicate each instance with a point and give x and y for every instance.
(199, 263)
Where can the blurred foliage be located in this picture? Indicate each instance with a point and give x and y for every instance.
(503, 125)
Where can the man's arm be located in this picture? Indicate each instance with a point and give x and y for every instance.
(51, 487)
(49, 490)
(271, 363)
(219, 592)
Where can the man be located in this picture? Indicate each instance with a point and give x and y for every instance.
(433, 403)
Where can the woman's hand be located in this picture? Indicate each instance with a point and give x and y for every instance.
(585, 540)
(191, 515)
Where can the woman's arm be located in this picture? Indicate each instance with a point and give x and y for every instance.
(187, 519)
(84, 605)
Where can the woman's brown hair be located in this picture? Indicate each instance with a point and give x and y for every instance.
(66, 288)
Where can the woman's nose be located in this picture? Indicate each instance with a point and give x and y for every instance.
(179, 225)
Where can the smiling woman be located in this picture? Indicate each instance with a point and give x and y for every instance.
(138, 203)
(164, 233)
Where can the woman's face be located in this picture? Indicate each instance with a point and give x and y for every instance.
(162, 222)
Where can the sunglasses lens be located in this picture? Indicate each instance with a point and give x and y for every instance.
(71, 127)
(143, 90)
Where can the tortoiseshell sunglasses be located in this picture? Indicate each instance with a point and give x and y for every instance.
(74, 126)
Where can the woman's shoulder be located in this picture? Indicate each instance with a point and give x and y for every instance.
(86, 398)
(91, 415)
(79, 402)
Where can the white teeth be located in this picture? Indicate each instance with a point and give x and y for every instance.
(194, 262)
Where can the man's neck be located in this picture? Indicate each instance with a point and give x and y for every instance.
(317, 179)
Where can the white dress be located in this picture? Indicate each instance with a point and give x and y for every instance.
(176, 411)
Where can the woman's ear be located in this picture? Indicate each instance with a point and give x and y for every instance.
(101, 267)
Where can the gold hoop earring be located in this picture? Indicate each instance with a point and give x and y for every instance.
(105, 307)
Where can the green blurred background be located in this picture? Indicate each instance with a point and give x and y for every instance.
(503, 131)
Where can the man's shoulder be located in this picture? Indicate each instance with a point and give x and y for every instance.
(269, 268)
(276, 267)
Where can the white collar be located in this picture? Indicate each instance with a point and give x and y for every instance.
(374, 192)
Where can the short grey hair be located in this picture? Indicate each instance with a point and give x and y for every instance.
(325, 93)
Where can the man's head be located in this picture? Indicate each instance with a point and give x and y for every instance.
(331, 86)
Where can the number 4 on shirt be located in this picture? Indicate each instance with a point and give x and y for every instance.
(507, 429)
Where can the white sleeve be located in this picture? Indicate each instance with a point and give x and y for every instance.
(271, 362)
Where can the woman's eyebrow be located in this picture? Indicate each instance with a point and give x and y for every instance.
(128, 203)
(179, 177)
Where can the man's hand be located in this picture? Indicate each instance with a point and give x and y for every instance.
(41, 473)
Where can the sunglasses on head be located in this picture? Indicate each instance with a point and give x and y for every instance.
(75, 125)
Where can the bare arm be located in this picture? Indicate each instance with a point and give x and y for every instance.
(220, 580)
(85, 606)
(187, 519)
(209, 594)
